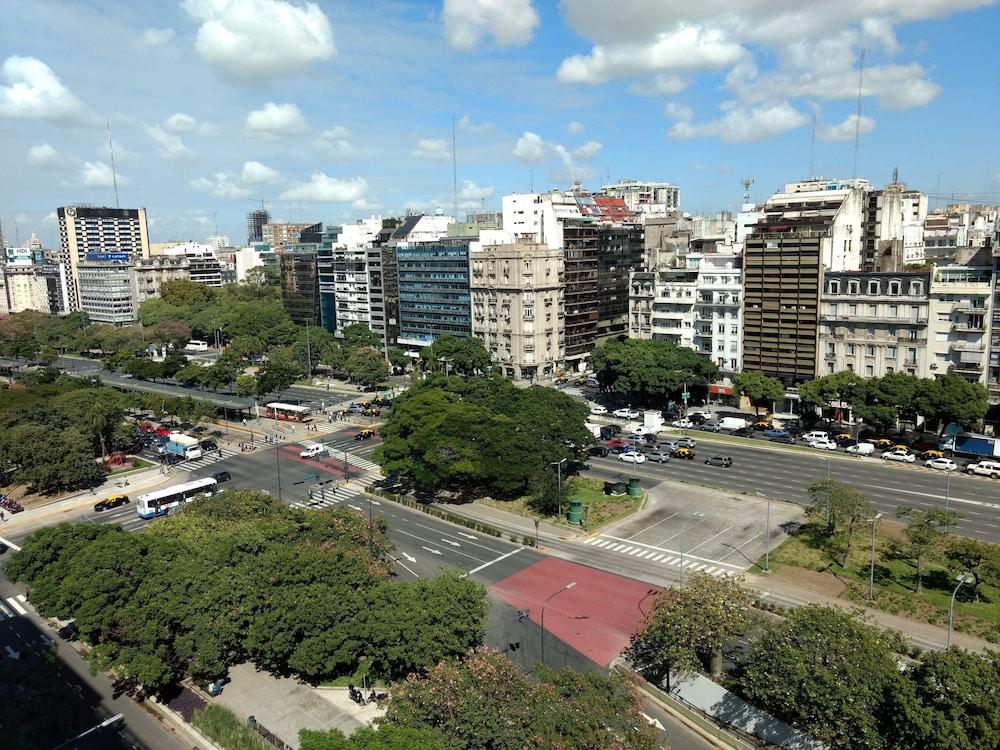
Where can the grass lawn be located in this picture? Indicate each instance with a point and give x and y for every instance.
(137, 464)
(599, 509)
(895, 579)
(359, 679)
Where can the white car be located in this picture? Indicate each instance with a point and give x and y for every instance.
(942, 464)
(627, 413)
(824, 444)
(812, 437)
(989, 469)
(903, 456)
(314, 450)
(861, 449)
(598, 409)
(682, 423)
(632, 457)
(643, 430)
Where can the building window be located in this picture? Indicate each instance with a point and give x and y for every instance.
(916, 288)
(890, 352)
(873, 310)
(872, 287)
(850, 349)
(853, 287)
(869, 371)
(893, 311)
(894, 287)
(835, 287)
(871, 350)
(852, 310)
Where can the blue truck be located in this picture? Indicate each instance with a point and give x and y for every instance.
(971, 445)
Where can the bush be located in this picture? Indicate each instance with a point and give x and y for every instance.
(222, 727)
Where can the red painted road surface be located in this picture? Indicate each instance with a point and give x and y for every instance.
(607, 604)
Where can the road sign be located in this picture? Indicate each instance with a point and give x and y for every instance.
(686, 395)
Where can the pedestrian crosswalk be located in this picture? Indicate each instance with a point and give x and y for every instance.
(349, 495)
(13, 605)
(207, 459)
(661, 556)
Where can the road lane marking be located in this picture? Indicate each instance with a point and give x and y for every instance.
(952, 499)
(10, 544)
(602, 543)
(692, 549)
(16, 605)
(653, 524)
(657, 558)
(636, 551)
(488, 564)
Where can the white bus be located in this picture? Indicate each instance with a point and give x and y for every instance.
(287, 412)
(161, 502)
(194, 345)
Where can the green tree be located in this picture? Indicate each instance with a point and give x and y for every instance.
(826, 673)
(924, 535)
(49, 459)
(398, 360)
(171, 332)
(698, 619)
(952, 399)
(144, 369)
(547, 493)
(762, 390)
(842, 390)
(262, 276)
(246, 385)
(889, 399)
(648, 371)
(191, 375)
(186, 293)
(387, 737)
(979, 559)
(366, 367)
(843, 508)
(275, 377)
(358, 335)
(463, 356)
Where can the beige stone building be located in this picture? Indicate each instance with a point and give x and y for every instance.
(518, 307)
(149, 274)
(958, 328)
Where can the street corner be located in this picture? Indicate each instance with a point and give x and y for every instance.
(592, 611)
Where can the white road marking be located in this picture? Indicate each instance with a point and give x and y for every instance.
(692, 549)
(657, 558)
(7, 612)
(16, 605)
(488, 564)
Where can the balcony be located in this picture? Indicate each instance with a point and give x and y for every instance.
(968, 308)
(970, 367)
(969, 326)
(967, 346)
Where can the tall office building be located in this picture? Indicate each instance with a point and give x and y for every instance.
(434, 294)
(256, 220)
(99, 234)
(300, 282)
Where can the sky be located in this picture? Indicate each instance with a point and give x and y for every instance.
(332, 111)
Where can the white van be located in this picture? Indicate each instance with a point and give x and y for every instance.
(732, 423)
(812, 437)
(197, 346)
(312, 450)
(989, 469)
(861, 449)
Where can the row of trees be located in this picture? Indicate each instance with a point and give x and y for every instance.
(485, 701)
(825, 672)
(241, 576)
(647, 372)
(882, 402)
(480, 436)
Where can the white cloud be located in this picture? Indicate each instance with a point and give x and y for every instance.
(588, 150)
(366, 204)
(324, 189)
(254, 41)
(432, 149)
(153, 37)
(659, 85)
(530, 148)
(574, 127)
(35, 92)
(465, 123)
(169, 146)
(99, 174)
(42, 155)
(510, 22)
(677, 111)
(571, 169)
(743, 125)
(255, 173)
(221, 185)
(278, 120)
(180, 123)
(333, 143)
(845, 130)
(475, 193)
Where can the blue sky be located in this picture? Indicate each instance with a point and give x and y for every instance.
(330, 111)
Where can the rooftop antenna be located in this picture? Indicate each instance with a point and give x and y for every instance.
(857, 116)
(531, 180)
(937, 193)
(114, 174)
(454, 168)
(746, 182)
(895, 175)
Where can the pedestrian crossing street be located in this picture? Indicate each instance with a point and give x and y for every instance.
(351, 495)
(13, 607)
(661, 556)
(207, 459)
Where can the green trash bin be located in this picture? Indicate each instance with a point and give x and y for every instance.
(634, 490)
(576, 511)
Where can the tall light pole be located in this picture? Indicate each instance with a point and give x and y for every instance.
(308, 355)
(871, 568)
(961, 578)
(567, 587)
(684, 528)
(947, 495)
(277, 466)
(558, 464)
(767, 533)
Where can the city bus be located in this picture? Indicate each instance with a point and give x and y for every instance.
(194, 345)
(161, 502)
(288, 412)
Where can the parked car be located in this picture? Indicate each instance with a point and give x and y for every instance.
(861, 449)
(598, 409)
(825, 445)
(683, 424)
(723, 461)
(904, 456)
(609, 431)
(615, 442)
(681, 452)
(222, 476)
(661, 457)
(746, 432)
(844, 440)
(772, 432)
(685, 442)
(709, 425)
(3, 548)
(811, 437)
(598, 450)
(989, 469)
(622, 448)
(929, 455)
(314, 450)
(785, 439)
(114, 501)
(632, 457)
(883, 444)
(208, 445)
(941, 464)
(698, 416)
(626, 413)
(642, 431)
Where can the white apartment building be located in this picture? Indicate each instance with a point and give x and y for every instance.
(874, 324)
(149, 275)
(538, 217)
(349, 266)
(32, 287)
(662, 305)
(518, 307)
(645, 198)
(718, 311)
(960, 312)
(203, 263)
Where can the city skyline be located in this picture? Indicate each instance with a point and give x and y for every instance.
(213, 105)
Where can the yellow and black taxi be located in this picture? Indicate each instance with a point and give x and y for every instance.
(109, 503)
(682, 452)
(931, 454)
(365, 435)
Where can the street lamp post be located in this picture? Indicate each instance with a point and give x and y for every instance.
(871, 568)
(558, 464)
(947, 496)
(767, 533)
(684, 529)
(567, 587)
(961, 578)
(277, 465)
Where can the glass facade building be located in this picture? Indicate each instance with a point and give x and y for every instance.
(434, 295)
(300, 283)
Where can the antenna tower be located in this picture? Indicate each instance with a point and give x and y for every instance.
(114, 174)
(812, 151)
(857, 116)
(746, 182)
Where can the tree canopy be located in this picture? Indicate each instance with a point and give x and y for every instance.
(762, 390)
(648, 371)
(464, 356)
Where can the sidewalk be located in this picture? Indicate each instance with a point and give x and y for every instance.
(511, 523)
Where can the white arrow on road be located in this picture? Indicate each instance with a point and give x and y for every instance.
(355, 507)
(411, 558)
(653, 722)
(12, 653)
(467, 536)
(433, 551)
(453, 544)
(375, 502)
